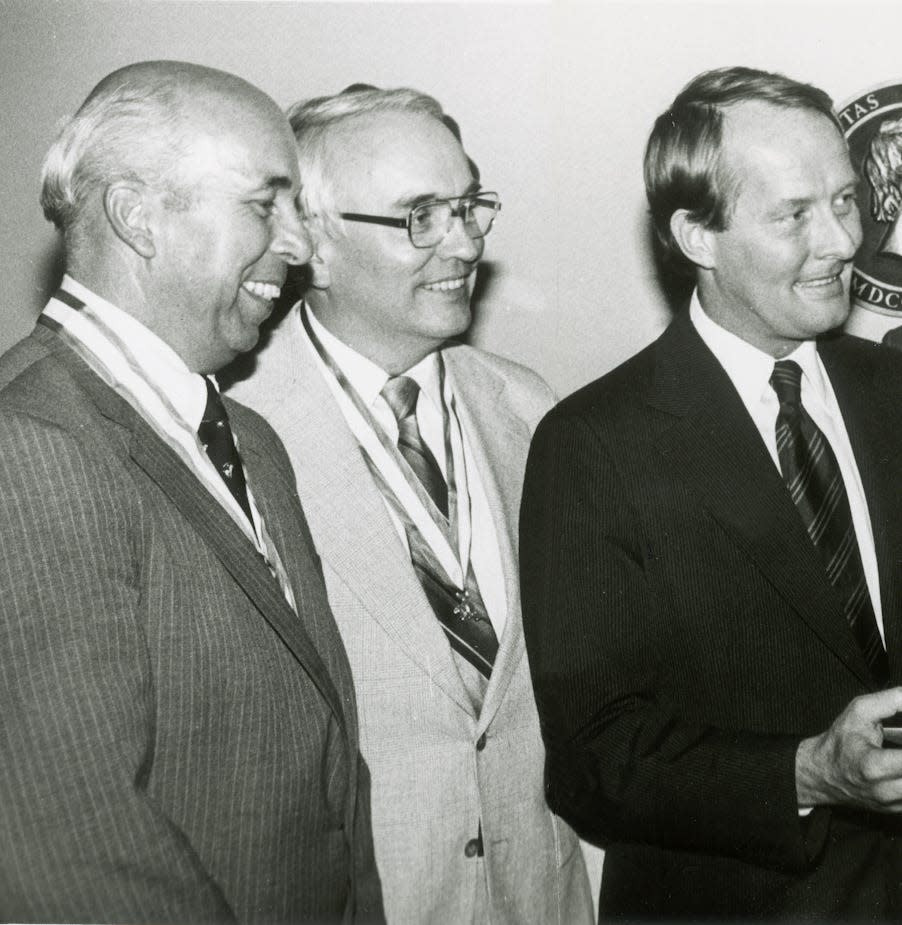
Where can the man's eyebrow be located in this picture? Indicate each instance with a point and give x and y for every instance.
(796, 203)
(411, 202)
(274, 182)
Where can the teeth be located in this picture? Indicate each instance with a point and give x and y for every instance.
(446, 285)
(262, 290)
(826, 281)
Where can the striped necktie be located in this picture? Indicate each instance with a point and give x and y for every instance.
(814, 480)
(462, 613)
(401, 393)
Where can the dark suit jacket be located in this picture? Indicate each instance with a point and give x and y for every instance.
(177, 744)
(683, 637)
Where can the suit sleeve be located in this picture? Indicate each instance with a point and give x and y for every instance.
(368, 896)
(80, 838)
(622, 765)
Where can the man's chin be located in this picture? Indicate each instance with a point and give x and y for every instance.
(454, 321)
(239, 343)
(826, 317)
(840, 311)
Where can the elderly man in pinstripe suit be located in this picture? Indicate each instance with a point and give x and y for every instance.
(177, 721)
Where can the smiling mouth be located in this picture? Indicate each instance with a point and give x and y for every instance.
(266, 291)
(446, 285)
(820, 281)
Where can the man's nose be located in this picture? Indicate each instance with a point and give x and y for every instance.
(839, 235)
(457, 243)
(291, 241)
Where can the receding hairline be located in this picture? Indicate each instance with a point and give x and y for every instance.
(337, 141)
(738, 110)
(187, 109)
(360, 121)
(343, 155)
(327, 128)
(751, 115)
(179, 74)
(202, 95)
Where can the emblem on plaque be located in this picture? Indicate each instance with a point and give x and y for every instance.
(872, 123)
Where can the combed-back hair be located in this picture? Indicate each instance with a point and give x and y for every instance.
(883, 166)
(684, 166)
(314, 120)
(132, 126)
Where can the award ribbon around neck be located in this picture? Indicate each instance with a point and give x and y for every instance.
(111, 358)
(399, 484)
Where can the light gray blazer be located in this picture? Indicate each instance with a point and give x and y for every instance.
(438, 769)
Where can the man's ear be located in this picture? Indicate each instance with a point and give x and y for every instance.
(129, 211)
(695, 241)
(319, 276)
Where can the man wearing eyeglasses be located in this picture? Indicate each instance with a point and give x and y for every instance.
(408, 451)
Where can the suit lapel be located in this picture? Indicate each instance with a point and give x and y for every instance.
(234, 551)
(499, 441)
(867, 381)
(347, 514)
(711, 443)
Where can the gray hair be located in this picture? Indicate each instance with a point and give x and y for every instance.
(883, 166)
(312, 122)
(132, 126)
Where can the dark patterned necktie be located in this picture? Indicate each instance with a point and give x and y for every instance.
(462, 613)
(215, 435)
(401, 393)
(814, 480)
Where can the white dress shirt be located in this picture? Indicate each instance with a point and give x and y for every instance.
(750, 370)
(368, 379)
(145, 371)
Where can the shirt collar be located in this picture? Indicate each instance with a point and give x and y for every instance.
(367, 378)
(748, 367)
(158, 362)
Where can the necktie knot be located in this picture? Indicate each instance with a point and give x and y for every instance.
(401, 393)
(786, 381)
(214, 410)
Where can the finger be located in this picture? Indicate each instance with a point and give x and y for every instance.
(874, 708)
(887, 795)
(881, 766)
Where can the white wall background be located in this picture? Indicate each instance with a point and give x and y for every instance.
(555, 101)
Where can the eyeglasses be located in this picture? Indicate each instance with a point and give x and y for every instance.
(429, 222)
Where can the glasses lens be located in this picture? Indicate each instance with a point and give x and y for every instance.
(478, 215)
(431, 221)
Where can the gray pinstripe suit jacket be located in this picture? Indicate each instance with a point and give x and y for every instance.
(439, 769)
(175, 743)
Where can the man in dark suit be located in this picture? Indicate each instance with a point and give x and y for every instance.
(178, 729)
(713, 652)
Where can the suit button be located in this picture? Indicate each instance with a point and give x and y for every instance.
(480, 743)
(472, 848)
